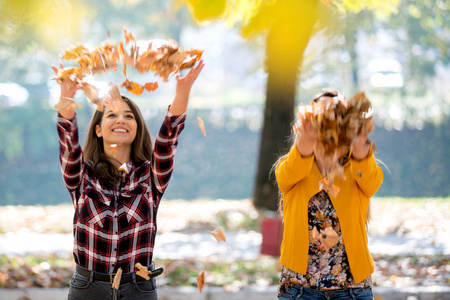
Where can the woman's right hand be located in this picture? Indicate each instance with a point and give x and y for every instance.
(68, 90)
(306, 136)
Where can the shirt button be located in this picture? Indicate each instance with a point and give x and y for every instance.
(115, 249)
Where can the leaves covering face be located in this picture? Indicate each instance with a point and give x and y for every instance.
(339, 121)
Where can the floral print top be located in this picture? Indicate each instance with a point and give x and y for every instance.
(328, 266)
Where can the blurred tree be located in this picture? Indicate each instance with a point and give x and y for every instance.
(288, 26)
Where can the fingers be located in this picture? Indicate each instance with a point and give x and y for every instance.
(55, 69)
(193, 73)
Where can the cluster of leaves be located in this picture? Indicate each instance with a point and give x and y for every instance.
(339, 122)
(161, 57)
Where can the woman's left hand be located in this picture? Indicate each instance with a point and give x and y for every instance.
(184, 85)
(361, 147)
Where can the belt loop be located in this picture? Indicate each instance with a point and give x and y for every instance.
(300, 293)
(352, 294)
(91, 277)
(133, 277)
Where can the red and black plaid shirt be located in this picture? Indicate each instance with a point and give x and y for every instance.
(115, 226)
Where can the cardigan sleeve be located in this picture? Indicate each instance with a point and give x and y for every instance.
(368, 175)
(292, 168)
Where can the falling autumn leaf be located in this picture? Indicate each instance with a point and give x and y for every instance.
(201, 281)
(113, 149)
(65, 102)
(328, 238)
(201, 125)
(117, 277)
(315, 233)
(124, 168)
(128, 36)
(219, 235)
(143, 271)
(151, 86)
(164, 58)
(132, 87)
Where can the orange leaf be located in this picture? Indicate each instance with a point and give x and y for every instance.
(143, 271)
(132, 87)
(201, 125)
(201, 281)
(151, 86)
(128, 36)
(113, 149)
(66, 103)
(124, 168)
(219, 235)
(328, 238)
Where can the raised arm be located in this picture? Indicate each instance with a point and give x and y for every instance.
(71, 158)
(184, 85)
(167, 140)
(367, 173)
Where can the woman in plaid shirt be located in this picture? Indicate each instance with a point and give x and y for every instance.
(115, 211)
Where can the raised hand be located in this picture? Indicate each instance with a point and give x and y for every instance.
(183, 89)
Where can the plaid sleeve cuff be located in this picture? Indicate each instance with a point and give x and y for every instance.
(174, 121)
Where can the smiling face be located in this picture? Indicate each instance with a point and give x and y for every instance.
(117, 127)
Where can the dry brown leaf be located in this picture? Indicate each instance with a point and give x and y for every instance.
(219, 235)
(112, 98)
(117, 277)
(132, 87)
(201, 125)
(201, 281)
(65, 102)
(143, 271)
(328, 237)
(314, 233)
(164, 59)
(113, 149)
(151, 86)
(128, 36)
(124, 168)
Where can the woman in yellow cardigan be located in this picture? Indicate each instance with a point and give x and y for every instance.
(324, 251)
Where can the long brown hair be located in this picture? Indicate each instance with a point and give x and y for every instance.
(94, 153)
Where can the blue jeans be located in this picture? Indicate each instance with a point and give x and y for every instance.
(84, 288)
(299, 292)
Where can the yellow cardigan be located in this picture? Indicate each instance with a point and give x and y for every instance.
(298, 179)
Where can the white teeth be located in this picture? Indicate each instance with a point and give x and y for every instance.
(121, 130)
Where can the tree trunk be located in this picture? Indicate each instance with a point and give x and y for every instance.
(286, 41)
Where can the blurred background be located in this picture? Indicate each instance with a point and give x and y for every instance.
(396, 51)
(263, 58)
